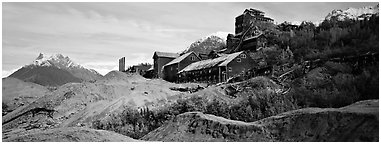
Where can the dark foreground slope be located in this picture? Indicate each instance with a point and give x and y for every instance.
(71, 134)
(356, 122)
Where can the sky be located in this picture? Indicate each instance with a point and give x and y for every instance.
(95, 35)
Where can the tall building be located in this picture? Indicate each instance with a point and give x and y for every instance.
(122, 64)
(243, 21)
(252, 38)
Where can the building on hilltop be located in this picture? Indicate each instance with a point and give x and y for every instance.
(247, 34)
(243, 21)
(160, 59)
(140, 68)
(217, 69)
(170, 69)
(254, 43)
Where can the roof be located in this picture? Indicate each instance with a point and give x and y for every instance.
(229, 58)
(253, 10)
(253, 37)
(166, 54)
(179, 59)
(143, 67)
(220, 61)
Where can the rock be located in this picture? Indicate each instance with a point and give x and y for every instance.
(356, 122)
(71, 134)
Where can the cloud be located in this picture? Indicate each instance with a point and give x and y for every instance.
(103, 32)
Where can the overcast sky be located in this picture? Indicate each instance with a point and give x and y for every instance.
(96, 35)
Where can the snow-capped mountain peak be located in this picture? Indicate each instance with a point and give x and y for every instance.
(41, 60)
(210, 42)
(353, 13)
(219, 34)
(57, 60)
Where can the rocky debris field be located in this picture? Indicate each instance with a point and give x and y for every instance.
(356, 122)
(17, 93)
(71, 134)
(78, 104)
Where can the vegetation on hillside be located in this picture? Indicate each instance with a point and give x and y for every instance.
(331, 38)
(329, 85)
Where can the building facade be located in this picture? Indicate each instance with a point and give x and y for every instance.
(254, 43)
(160, 59)
(170, 69)
(247, 33)
(218, 69)
(243, 21)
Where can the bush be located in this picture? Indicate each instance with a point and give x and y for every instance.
(333, 88)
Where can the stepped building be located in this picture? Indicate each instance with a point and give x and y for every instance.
(243, 21)
(247, 34)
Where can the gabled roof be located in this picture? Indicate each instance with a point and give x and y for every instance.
(252, 10)
(180, 58)
(229, 58)
(220, 61)
(165, 54)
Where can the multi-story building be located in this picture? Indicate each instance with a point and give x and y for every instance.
(243, 21)
(247, 34)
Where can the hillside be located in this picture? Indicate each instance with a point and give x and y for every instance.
(78, 104)
(71, 134)
(356, 122)
(17, 93)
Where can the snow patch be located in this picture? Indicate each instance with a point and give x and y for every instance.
(353, 13)
(58, 60)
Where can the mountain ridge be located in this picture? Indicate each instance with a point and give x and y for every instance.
(54, 70)
(214, 41)
(353, 13)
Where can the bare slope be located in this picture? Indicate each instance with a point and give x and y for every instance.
(66, 135)
(17, 93)
(356, 122)
(78, 104)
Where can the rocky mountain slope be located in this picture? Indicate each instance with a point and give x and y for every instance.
(72, 134)
(78, 104)
(356, 122)
(215, 41)
(55, 70)
(17, 93)
(353, 13)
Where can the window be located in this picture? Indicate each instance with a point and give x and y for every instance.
(192, 58)
(238, 59)
(243, 56)
(230, 69)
